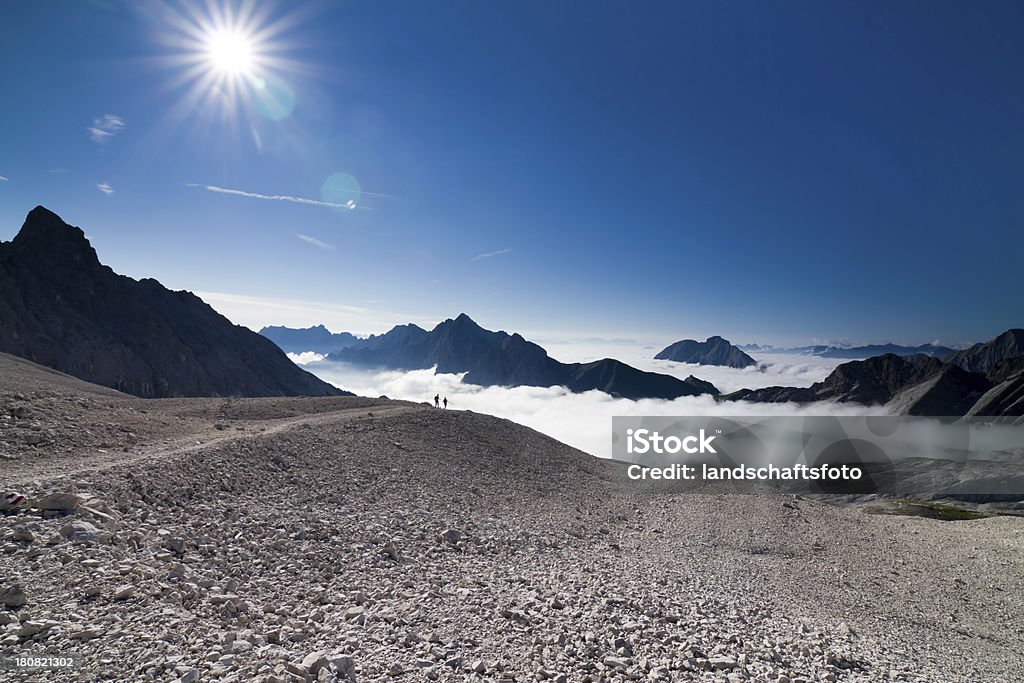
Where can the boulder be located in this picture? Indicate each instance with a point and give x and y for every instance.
(13, 596)
(80, 531)
(58, 501)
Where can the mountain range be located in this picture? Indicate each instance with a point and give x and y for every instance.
(488, 358)
(985, 380)
(60, 307)
(714, 351)
(855, 352)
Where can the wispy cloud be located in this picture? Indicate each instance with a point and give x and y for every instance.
(275, 197)
(105, 127)
(3, 179)
(315, 242)
(105, 188)
(490, 254)
(57, 171)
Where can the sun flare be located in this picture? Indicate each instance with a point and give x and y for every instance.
(231, 60)
(230, 52)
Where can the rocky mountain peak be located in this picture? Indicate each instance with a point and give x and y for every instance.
(45, 236)
(463, 320)
(714, 351)
(460, 326)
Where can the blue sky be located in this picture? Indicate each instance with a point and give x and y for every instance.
(769, 171)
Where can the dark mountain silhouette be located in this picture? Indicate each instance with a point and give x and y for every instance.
(714, 351)
(920, 384)
(985, 357)
(618, 379)
(60, 307)
(317, 339)
(489, 358)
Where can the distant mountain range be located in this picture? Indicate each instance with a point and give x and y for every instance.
(316, 339)
(489, 358)
(60, 307)
(714, 351)
(985, 380)
(855, 352)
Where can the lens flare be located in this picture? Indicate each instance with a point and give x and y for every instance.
(342, 189)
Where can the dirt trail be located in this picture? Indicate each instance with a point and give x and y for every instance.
(205, 436)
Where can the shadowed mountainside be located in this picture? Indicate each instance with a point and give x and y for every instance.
(60, 307)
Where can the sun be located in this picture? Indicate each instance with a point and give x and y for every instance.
(230, 52)
(231, 58)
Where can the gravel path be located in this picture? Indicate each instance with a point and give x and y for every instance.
(361, 539)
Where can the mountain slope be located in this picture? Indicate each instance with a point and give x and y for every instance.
(489, 358)
(1006, 397)
(950, 391)
(714, 351)
(985, 357)
(60, 307)
(871, 381)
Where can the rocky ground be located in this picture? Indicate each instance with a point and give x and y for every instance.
(345, 539)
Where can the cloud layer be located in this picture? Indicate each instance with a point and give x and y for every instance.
(580, 420)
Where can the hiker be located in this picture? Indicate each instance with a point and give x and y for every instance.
(445, 401)
(437, 400)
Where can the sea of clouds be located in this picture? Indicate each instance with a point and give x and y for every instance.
(585, 420)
